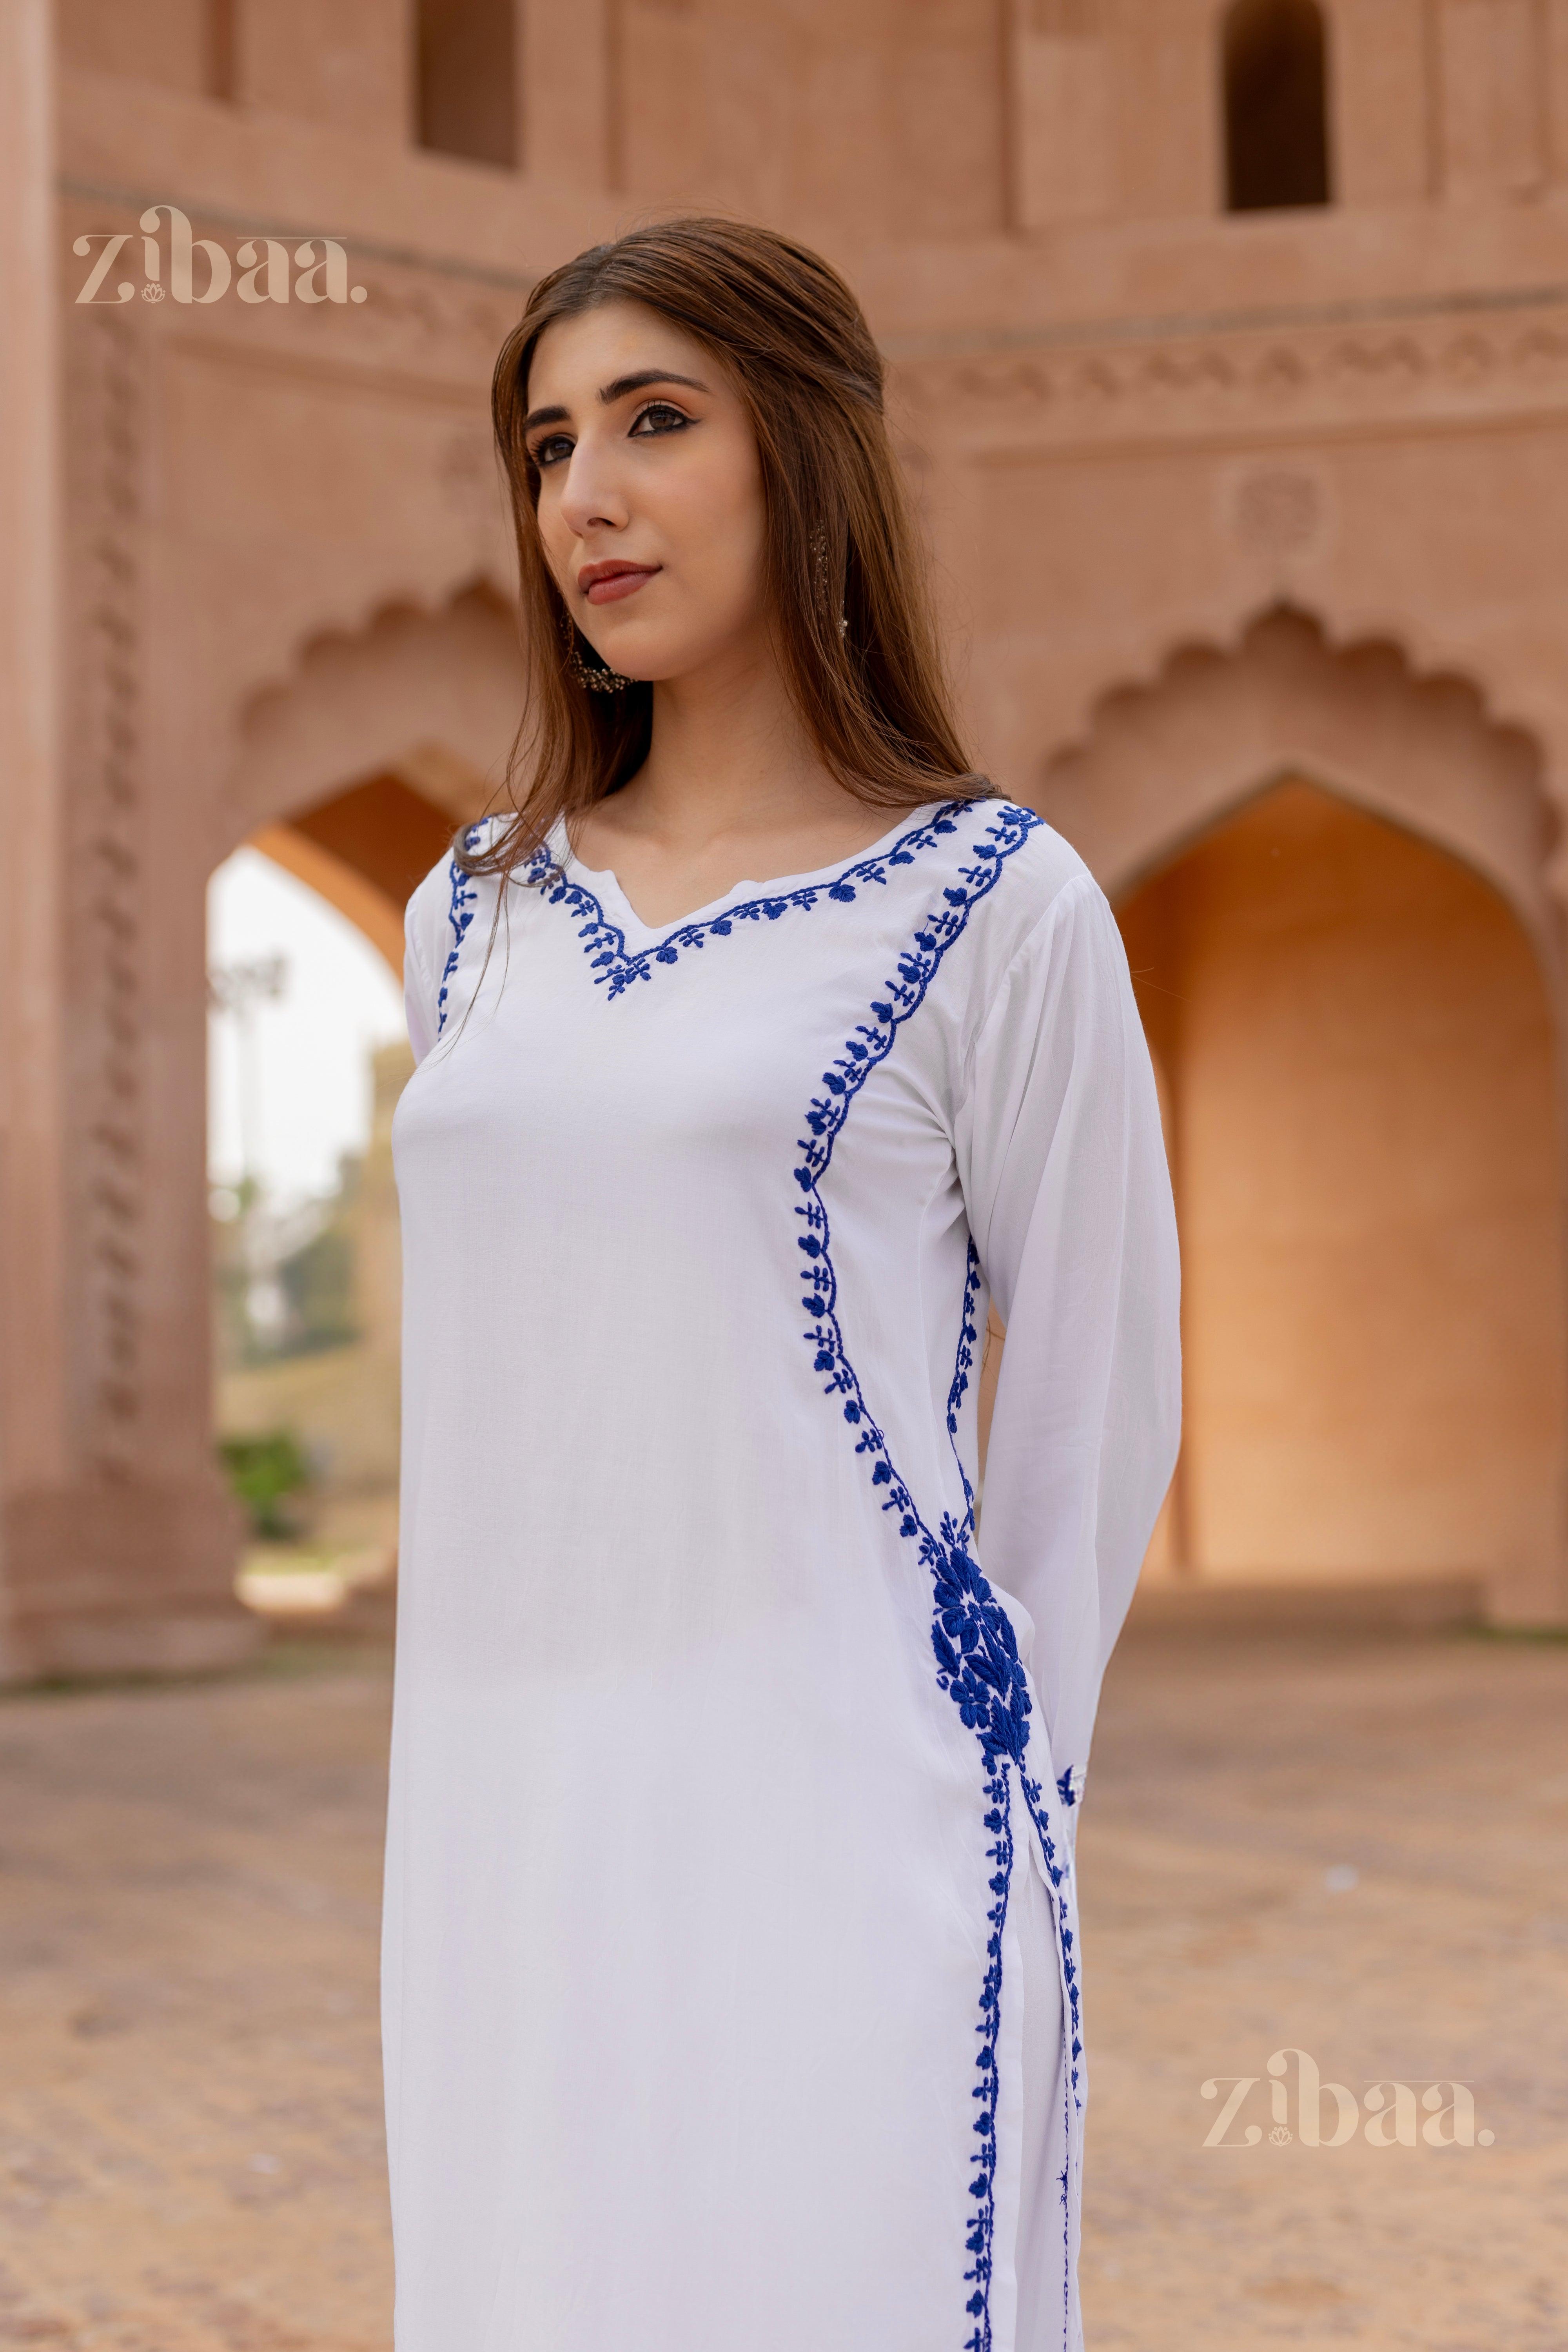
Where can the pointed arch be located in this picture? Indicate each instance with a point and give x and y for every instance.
(1335, 878)
(351, 773)
(1163, 762)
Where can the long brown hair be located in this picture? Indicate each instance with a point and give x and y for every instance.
(840, 542)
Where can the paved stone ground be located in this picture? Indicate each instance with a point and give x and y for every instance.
(190, 2131)
(1229, 1781)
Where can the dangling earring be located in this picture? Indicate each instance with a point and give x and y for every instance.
(819, 566)
(596, 676)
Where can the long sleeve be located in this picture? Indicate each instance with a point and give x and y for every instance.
(1064, 1174)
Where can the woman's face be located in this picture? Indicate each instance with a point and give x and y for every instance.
(650, 496)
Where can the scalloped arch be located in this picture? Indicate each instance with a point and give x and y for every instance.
(1165, 761)
(429, 694)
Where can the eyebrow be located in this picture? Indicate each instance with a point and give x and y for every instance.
(610, 393)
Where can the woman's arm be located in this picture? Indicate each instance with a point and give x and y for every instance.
(1070, 1203)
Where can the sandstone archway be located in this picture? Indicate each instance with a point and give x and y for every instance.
(353, 773)
(363, 850)
(1334, 878)
(1366, 1153)
(1165, 761)
(350, 774)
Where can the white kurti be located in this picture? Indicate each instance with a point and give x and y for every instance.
(731, 1993)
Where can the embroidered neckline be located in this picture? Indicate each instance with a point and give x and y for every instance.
(616, 968)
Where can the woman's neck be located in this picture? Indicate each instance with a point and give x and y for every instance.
(733, 790)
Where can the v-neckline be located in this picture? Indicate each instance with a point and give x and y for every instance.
(604, 884)
(617, 962)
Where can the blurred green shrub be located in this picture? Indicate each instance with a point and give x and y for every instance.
(264, 1472)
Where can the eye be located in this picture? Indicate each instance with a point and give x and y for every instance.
(550, 450)
(660, 416)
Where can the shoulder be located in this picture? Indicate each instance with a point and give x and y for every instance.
(440, 907)
(1023, 880)
(425, 917)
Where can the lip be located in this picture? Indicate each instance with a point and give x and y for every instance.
(606, 583)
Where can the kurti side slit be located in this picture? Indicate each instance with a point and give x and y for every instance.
(700, 1225)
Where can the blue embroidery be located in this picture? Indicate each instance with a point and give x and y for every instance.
(460, 915)
(972, 1635)
(963, 1364)
(607, 943)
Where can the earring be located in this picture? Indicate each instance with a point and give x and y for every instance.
(819, 566)
(596, 676)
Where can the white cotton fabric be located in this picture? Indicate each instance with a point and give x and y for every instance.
(731, 1993)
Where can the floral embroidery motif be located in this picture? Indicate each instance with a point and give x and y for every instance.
(617, 970)
(972, 1635)
(460, 915)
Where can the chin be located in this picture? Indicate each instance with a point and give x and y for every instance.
(634, 658)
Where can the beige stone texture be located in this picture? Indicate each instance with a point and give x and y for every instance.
(1218, 501)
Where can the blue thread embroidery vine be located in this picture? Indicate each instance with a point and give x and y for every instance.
(972, 1635)
(460, 915)
(1002, 1646)
(615, 968)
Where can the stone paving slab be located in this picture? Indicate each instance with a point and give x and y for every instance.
(189, 2126)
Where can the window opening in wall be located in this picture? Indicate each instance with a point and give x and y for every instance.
(465, 80)
(1276, 105)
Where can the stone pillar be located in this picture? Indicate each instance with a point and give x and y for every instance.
(33, 1443)
(104, 1566)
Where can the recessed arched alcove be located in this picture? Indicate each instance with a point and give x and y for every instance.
(1400, 1064)
(1362, 1119)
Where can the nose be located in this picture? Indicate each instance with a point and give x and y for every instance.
(592, 496)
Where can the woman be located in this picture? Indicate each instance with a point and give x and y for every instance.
(731, 1999)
